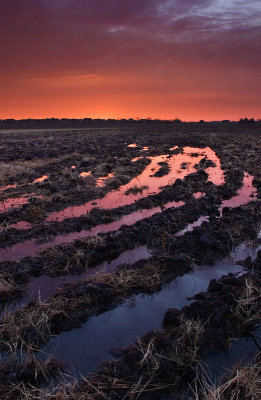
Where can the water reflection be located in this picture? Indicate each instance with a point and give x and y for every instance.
(45, 286)
(85, 174)
(11, 203)
(121, 326)
(7, 187)
(244, 195)
(31, 247)
(102, 181)
(119, 198)
(41, 179)
(198, 195)
(22, 225)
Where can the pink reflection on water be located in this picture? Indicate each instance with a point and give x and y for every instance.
(45, 286)
(244, 195)
(12, 203)
(118, 198)
(7, 187)
(21, 225)
(41, 179)
(102, 181)
(136, 159)
(132, 145)
(198, 195)
(85, 174)
(31, 247)
(145, 148)
(190, 227)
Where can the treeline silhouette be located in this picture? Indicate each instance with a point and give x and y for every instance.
(118, 120)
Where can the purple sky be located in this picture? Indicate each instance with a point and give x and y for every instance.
(192, 59)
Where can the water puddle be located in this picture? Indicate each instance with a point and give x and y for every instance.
(85, 174)
(242, 350)
(31, 247)
(101, 182)
(124, 195)
(244, 195)
(7, 187)
(12, 203)
(22, 225)
(136, 158)
(195, 224)
(124, 324)
(132, 145)
(45, 286)
(41, 179)
(16, 202)
(198, 195)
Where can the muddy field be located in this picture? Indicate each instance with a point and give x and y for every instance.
(130, 262)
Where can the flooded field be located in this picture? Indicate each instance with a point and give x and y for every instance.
(129, 254)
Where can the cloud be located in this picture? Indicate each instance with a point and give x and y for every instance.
(41, 40)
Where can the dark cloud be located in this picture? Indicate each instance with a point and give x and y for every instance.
(67, 34)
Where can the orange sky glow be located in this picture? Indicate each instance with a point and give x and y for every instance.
(156, 58)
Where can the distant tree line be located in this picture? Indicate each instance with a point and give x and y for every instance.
(248, 121)
(122, 120)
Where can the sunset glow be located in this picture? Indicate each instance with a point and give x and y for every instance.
(189, 59)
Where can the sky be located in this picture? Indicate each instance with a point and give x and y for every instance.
(191, 59)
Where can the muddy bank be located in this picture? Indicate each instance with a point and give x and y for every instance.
(121, 326)
(174, 354)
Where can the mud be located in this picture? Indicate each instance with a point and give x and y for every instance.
(159, 203)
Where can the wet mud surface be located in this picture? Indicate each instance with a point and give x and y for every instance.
(108, 234)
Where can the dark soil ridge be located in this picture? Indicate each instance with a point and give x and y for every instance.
(52, 143)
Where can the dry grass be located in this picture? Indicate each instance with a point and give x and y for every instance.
(11, 170)
(4, 226)
(28, 372)
(8, 288)
(248, 309)
(191, 331)
(126, 280)
(35, 214)
(16, 168)
(135, 189)
(93, 241)
(244, 383)
(158, 369)
(30, 326)
(6, 285)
